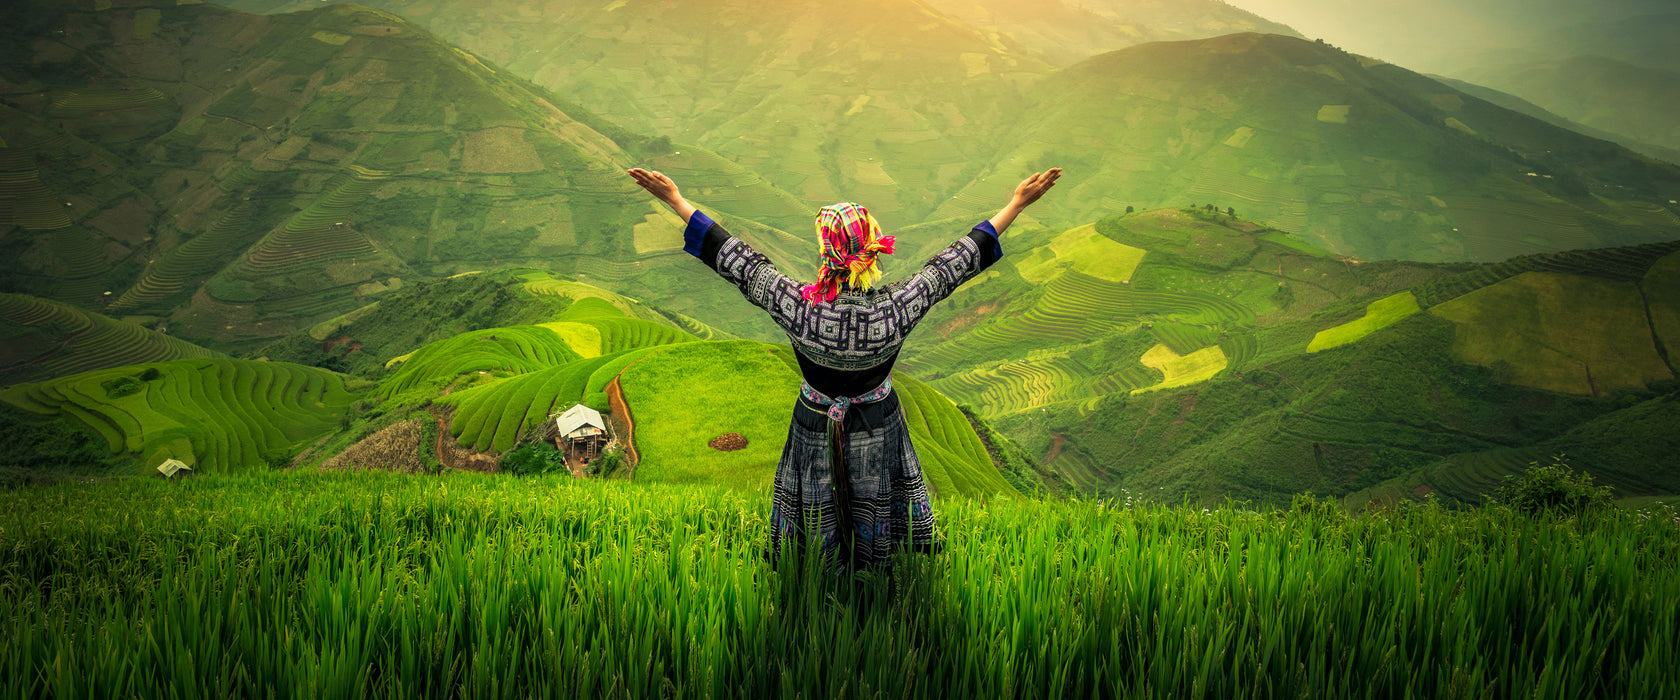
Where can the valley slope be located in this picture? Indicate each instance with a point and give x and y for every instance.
(239, 177)
(1190, 353)
(1354, 155)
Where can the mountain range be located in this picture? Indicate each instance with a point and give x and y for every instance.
(1252, 222)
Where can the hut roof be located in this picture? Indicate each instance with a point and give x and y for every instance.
(171, 466)
(578, 420)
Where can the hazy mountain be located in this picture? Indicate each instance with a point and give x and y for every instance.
(1518, 104)
(246, 176)
(1633, 101)
(1446, 35)
(1367, 159)
(1066, 31)
(1645, 40)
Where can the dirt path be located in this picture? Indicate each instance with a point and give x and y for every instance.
(621, 412)
(453, 456)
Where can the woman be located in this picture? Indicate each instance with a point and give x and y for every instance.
(848, 476)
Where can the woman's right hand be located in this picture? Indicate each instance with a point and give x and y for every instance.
(1034, 187)
(656, 184)
(665, 189)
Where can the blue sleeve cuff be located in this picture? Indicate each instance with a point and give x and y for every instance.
(695, 234)
(997, 246)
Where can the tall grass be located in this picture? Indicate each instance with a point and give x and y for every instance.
(329, 585)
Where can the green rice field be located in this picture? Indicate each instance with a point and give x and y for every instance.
(218, 416)
(291, 584)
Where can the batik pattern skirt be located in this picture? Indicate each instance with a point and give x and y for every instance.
(888, 503)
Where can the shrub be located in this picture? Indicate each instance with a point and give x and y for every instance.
(533, 458)
(1552, 488)
(608, 462)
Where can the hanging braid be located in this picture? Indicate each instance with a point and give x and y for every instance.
(849, 241)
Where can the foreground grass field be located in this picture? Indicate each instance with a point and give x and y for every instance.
(370, 585)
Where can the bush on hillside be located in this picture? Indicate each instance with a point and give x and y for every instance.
(534, 458)
(1552, 488)
(608, 462)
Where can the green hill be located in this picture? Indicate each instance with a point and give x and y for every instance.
(365, 341)
(41, 339)
(1192, 353)
(1632, 101)
(885, 101)
(249, 177)
(491, 389)
(1362, 158)
(1518, 104)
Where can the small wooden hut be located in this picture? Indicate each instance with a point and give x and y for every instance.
(580, 433)
(174, 468)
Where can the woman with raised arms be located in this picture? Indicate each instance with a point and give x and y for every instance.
(848, 476)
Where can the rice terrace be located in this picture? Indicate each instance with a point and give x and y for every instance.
(1191, 349)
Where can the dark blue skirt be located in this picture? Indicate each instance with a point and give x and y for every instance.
(882, 494)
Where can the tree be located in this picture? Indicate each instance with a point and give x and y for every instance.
(1230, 211)
(1128, 209)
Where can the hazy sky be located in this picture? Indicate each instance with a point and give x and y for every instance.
(1430, 34)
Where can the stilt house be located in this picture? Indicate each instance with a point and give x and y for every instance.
(581, 433)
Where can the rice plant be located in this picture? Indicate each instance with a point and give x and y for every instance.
(288, 584)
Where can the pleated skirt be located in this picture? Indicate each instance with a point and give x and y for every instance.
(888, 502)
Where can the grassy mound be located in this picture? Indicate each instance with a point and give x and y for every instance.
(545, 587)
(216, 415)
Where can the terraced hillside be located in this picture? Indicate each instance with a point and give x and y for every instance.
(1359, 157)
(1044, 329)
(249, 177)
(41, 339)
(1233, 361)
(500, 386)
(219, 416)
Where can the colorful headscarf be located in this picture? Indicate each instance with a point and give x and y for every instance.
(850, 240)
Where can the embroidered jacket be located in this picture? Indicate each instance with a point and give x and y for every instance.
(848, 346)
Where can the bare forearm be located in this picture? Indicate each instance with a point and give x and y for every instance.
(664, 189)
(1006, 216)
(681, 207)
(1026, 193)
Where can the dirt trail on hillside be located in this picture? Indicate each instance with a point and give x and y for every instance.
(454, 456)
(620, 412)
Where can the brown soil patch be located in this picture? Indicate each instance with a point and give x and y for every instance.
(968, 320)
(728, 442)
(395, 448)
(1056, 442)
(1185, 406)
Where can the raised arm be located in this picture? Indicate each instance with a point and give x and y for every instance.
(757, 278)
(664, 189)
(1026, 193)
